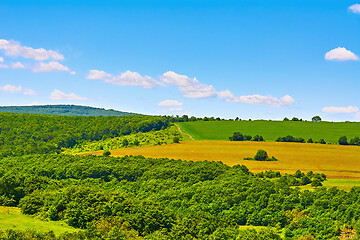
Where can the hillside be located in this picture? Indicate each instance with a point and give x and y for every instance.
(68, 110)
(271, 130)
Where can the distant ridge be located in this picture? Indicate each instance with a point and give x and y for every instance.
(68, 110)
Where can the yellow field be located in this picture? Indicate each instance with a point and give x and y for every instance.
(339, 162)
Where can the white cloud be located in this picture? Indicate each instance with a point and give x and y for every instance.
(17, 65)
(257, 99)
(12, 66)
(51, 66)
(349, 109)
(170, 103)
(29, 92)
(10, 88)
(355, 8)
(127, 78)
(58, 95)
(190, 87)
(1, 59)
(98, 75)
(13, 48)
(341, 54)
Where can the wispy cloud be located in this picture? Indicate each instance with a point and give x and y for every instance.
(10, 88)
(13, 48)
(127, 78)
(341, 54)
(349, 109)
(355, 8)
(190, 87)
(257, 99)
(15, 65)
(29, 92)
(51, 66)
(171, 105)
(58, 95)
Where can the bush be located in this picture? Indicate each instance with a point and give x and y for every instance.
(176, 140)
(237, 137)
(343, 140)
(106, 153)
(261, 155)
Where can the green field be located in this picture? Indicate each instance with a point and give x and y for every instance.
(12, 218)
(271, 130)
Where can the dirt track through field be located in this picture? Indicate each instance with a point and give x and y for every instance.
(184, 132)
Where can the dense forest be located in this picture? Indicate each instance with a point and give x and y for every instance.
(133, 197)
(68, 110)
(31, 133)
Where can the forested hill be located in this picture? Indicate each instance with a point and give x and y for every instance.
(32, 133)
(68, 110)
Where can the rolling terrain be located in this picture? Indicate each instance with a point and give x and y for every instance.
(68, 110)
(271, 130)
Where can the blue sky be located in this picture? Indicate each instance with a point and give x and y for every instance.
(248, 59)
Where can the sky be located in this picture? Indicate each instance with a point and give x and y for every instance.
(252, 59)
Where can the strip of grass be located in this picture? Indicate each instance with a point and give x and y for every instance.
(12, 218)
(271, 130)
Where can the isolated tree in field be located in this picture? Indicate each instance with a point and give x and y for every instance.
(316, 119)
(106, 153)
(343, 140)
(261, 155)
(286, 119)
(310, 140)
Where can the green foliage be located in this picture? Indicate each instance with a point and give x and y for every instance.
(137, 197)
(176, 139)
(68, 110)
(343, 140)
(316, 119)
(151, 138)
(28, 133)
(261, 155)
(237, 136)
(106, 153)
(290, 138)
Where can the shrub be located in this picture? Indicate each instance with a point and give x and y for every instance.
(261, 155)
(176, 140)
(343, 140)
(106, 153)
(237, 137)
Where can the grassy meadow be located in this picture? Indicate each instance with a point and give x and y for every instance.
(271, 130)
(12, 218)
(337, 162)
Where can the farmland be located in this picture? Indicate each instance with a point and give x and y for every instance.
(339, 162)
(271, 130)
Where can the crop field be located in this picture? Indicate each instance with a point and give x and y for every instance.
(271, 130)
(12, 218)
(337, 162)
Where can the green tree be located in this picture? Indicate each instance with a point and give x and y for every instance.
(343, 140)
(106, 153)
(176, 139)
(316, 119)
(261, 155)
